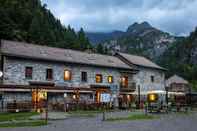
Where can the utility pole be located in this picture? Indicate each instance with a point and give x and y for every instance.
(46, 111)
(166, 97)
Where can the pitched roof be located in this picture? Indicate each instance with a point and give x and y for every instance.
(25, 50)
(176, 79)
(140, 61)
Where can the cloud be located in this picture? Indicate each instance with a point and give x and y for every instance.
(176, 16)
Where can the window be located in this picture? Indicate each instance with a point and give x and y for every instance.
(1, 96)
(67, 75)
(124, 81)
(49, 74)
(98, 78)
(110, 79)
(152, 78)
(84, 76)
(28, 72)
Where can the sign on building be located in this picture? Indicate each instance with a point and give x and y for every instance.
(105, 97)
(114, 89)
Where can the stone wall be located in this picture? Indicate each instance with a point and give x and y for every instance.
(143, 79)
(14, 73)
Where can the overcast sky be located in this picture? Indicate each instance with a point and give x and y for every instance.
(178, 17)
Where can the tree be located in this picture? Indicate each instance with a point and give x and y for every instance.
(7, 26)
(100, 49)
(29, 20)
(83, 41)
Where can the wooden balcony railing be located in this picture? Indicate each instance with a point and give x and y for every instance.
(129, 88)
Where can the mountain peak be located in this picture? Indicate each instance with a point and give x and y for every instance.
(145, 23)
(139, 26)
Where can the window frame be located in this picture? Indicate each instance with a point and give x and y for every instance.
(125, 83)
(84, 76)
(70, 75)
(152, 78)
(28, 75)
(1, 96)
(48, 74)
(101, 78)
(112, 79)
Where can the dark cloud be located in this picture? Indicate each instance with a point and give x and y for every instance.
(176, 16)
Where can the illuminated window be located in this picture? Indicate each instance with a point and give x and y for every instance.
(110, 79)
(124, 81)
(67, 75)
(98, 78)
(152, 97)
(28, 72)
(49, 74)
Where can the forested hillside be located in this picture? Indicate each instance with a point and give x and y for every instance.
(139, 38)
(181, 58)
(29, 20)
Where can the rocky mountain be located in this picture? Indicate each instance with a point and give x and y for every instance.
(139, 38)
(100, 37)
(181, 58)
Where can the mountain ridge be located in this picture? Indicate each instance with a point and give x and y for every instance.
(139, 38)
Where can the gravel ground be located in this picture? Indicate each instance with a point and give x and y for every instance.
(170, 122)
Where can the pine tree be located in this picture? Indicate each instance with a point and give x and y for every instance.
(100, 49)
(83, 41)
(29, 20)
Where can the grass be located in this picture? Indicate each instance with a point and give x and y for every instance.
(16, 116)
(23, 124)
(82, 113)
(132, 117)
(183, 113)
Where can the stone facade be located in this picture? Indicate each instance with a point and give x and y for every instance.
(14, 73)
(16, 57)
(143, 79)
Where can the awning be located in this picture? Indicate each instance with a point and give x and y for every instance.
(158, 92)
(176, 93)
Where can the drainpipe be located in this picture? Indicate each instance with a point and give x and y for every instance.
(139, 97)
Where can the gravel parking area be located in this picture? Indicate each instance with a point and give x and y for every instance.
(170, 122)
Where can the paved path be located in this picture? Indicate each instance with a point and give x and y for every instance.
(166, 123)
(51, 116)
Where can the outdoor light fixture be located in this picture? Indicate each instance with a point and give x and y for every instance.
(1, 74)
(65, 95)
(74, 96)
(42, 94)
(128, 97)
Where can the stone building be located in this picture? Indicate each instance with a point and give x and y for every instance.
(32, 71)
(150, 76)
(177, 84)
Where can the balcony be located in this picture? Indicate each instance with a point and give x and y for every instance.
(130, 88)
